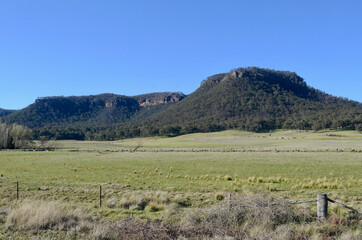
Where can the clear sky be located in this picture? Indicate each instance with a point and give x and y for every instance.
(83, 47)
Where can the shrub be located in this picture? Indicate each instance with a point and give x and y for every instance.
(182, 201)
(134, 202)
(161, 197)
(219, 196)
(154, 207)
(245, 210)
(111, 203)
(228, 178)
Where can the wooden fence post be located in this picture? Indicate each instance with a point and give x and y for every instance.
(100, 195)
(322, 206)
(17, 190)
(229, 201)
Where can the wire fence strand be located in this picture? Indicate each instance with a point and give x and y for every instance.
(345, 206)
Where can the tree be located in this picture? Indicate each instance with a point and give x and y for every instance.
(14, 136)
(359, 127)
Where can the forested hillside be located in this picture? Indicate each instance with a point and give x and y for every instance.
(245, 98)
(73, 117)
(254, 99)
(84, 110)
(4, 112)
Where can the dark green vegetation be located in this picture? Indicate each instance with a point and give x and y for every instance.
(4, 112)
(246, 98)
(258, 100)
(85, 110)
(82, 117)
(94, 110)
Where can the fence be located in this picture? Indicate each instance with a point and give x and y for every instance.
(322, 203)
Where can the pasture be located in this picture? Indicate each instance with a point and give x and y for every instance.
(191, 171)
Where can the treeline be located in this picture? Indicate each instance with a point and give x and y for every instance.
(120, 132)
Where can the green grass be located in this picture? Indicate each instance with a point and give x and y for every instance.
(232, 140)
(293, 164)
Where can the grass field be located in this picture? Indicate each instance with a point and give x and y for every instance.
(191, 170)
(233, 141)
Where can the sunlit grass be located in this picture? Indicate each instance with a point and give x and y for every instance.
(194, 176)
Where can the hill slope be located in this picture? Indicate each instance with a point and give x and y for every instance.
(246, 98)
(4, 112)
(90, 111)
(256, 99)
(57, 111)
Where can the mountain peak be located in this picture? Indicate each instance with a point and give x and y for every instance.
(253, 73)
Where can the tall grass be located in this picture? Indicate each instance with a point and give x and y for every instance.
(41, 215)
(245, 217)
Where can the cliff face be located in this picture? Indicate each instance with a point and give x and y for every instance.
(93, 110)
(153, 99)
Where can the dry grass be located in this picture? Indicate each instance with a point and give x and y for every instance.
(242, 213)
(247, 217)
(41, 215)
(111, 203)
(139, 200)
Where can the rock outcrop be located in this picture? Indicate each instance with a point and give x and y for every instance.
(153, 99)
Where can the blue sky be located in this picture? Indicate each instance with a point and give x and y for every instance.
(82, 47)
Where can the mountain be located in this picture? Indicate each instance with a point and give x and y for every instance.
(94, 110)
(255, 99)
(4, 112)
(251, 98)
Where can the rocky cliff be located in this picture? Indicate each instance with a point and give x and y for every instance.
(153, 99)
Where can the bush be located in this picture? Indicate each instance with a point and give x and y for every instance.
(219, 196)
(154, 207)
(14, 136)
(134, 202)
(182, 201)
(111, 203)
(138, 200)
(253, 211)
(228, 178)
